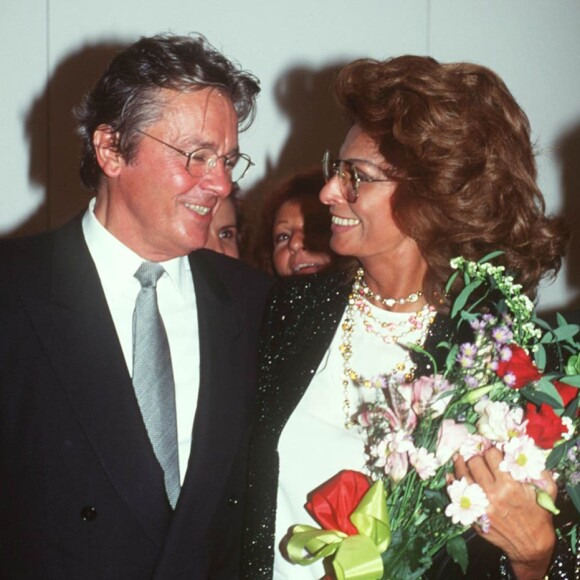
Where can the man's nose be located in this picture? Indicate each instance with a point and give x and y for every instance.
(218, 179)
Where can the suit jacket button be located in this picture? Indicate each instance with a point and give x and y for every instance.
(88, 513)
(233, 501)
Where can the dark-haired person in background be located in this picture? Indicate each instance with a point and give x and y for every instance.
(293, 233)
(224, 229)
(126, 357)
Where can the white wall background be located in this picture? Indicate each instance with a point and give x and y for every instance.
(51, 51)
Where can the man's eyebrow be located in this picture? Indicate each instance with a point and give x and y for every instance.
(193, 144)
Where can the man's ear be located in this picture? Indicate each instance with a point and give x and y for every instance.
(106, 144)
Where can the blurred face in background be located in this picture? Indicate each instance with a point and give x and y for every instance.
(300, 235)
(223, 230)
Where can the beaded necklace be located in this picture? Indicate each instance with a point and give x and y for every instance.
(363, 287)
(395, 334)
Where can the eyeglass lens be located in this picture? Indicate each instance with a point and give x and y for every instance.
(346, 172)
(206, 160)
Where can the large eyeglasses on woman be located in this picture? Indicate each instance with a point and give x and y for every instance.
(205, 160)
(349, 177)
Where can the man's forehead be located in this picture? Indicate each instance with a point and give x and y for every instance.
(197, 115)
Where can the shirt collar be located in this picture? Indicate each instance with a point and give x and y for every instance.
(116, 263)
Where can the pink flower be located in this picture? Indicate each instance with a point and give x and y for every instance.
(392, 454)
(450, 438)
(497, 421)
(371, 415)
(468, 502)
(474, 444)
(398, 411)
(424, 462)
(397, 466)
(428, 395)
(400, 419)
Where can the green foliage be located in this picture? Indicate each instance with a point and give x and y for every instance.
(574, 495)
(457, 549)
(543, 391)
(405, 560)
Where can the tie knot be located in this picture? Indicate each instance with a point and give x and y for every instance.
(148, 273)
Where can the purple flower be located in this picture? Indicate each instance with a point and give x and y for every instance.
(467, 354)
(489, 318)
(484, 523)
(471, 382)
(478, 324)
(505, 354)
(502, 334)
(509, 379)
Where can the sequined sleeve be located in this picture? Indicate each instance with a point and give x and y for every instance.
(565, 563)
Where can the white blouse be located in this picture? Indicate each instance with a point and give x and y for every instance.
(315, 444)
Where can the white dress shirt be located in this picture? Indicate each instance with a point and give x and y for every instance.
(116, 265)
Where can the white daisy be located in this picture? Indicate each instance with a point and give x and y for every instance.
(468, 502)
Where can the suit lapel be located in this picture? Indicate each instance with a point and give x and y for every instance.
(304, 340)
(79, 336)
(220, 399)
(219, 420)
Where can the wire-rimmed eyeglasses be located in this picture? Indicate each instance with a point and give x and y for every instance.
(205, 160)
(349, 177)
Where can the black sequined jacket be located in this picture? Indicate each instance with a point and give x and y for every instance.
(301, 321)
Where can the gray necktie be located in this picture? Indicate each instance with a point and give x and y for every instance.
(153, 377)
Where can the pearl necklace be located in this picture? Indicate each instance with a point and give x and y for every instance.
(404, 370)
(393, 332)
(361, 284)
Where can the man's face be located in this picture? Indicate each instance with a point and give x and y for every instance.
(153, 204)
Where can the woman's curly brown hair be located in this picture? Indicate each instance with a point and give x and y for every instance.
(462, 146)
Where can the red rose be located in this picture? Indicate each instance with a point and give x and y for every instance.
(567, 392)
(544, 426)
(334, 501)
(521, 366)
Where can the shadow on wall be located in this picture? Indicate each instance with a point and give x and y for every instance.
(568, 148)
(53, 145)
(305, 96)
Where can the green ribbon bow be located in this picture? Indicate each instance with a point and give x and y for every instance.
(356, 557)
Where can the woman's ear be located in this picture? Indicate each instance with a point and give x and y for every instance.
(106, 144)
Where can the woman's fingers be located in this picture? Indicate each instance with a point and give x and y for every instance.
(480, 469)
(517, 524)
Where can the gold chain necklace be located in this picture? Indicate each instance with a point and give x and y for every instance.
(402, 372)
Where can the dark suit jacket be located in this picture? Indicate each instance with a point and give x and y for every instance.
(81, 492)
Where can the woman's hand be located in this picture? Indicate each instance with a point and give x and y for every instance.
(518, 525)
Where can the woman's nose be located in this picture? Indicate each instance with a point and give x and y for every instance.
(297, 240)
(330, 194)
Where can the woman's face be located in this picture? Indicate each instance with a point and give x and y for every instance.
(365, 229)
(223, 230)
(290, 257)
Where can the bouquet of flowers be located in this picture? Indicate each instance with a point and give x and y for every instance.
(493, 390)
